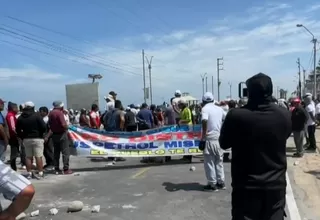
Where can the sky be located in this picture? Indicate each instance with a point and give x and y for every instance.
(45, 45)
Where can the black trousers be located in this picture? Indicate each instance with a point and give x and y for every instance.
(258, 204)
(311, 134)
(131, 128)
(48, 152)
(61, 145)
(14, 152)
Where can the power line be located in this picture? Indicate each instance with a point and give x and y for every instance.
(61, 49)
(62, 45)
(64, 34)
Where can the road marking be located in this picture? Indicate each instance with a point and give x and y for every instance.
(291, 202)
(140, 173)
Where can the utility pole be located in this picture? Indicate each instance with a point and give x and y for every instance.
(230, 90)
(206, 83)
(144, 78)
(212, 85)
(304, 81)
(203, 77)
(299, 74)
(314, 41)
(219, 67)
(150, 79)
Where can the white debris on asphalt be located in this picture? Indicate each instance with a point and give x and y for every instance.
(109, 164)
(53, 211)
(95, 209)
(21, 216)
(192, 168)
(296, 163)
(35, 213)
(75, 206)
(129, 206)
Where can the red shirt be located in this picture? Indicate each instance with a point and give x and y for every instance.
(11, 122)
(57, 121)
(95, 117)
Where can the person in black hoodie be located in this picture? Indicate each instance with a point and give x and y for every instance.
(31, 129)
(257, 134)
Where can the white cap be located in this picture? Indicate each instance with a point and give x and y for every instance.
(308, 94)
(178, 92)
(208, 97)
(29, 104)
(138, 106)
(128, 108)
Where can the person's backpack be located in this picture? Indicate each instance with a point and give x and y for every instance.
(111, 121)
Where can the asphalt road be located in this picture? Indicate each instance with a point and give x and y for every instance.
(130, 190)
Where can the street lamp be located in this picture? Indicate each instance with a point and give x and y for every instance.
(314, 41)
(203, 77)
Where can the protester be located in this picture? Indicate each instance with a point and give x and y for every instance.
(94, 117)
(110, 100)
(145, 117)
(154, 114)
(299, 118)
(212, 117)
(17, 189)
(257, 134)
(13, 138)
(59, 134)
(169, 114)
(160, 116)
(76, 118)
(66, 116)
(311, 123)
(30, 129)
(175, 106)
(114, 119)
(48, 145)
(130, 120)
(4, 136)
(83, 120)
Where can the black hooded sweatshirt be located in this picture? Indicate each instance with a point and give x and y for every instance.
(30, 125)
(257, 134)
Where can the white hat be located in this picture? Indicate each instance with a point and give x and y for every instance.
(308, 94)
(178, 92)
(128, 108)
(29, 104)
(208, 97)
(138, 106)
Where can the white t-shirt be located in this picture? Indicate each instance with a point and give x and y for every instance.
(311, 109)
(110, 105)
(318, 108)
(215, 116)
(46, 119)
(175, 103)
(77, 119)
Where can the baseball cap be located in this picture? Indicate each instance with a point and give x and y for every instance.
(208, 97)
(29, 104)
(2, 101)
(112, 93)
(177, 92)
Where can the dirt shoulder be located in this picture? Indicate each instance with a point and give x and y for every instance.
(305, 179)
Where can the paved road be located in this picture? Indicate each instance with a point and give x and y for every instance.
(131, 191)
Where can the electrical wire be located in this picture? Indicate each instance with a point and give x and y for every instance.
(64, 34)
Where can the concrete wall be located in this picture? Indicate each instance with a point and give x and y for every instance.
(82, 95)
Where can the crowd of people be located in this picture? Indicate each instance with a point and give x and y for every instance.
(256, 132)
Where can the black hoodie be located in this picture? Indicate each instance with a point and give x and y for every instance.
(257, 134)
(30, 125)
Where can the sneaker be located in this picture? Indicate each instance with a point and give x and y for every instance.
(28, 176)
(210, 188)
(311, 149)
(221, 186)
(23, 167)
(38, 176)
(298, 155)
(67, 172)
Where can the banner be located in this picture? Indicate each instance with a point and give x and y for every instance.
(164, 141)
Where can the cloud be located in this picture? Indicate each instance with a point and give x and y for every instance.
(261, 39)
